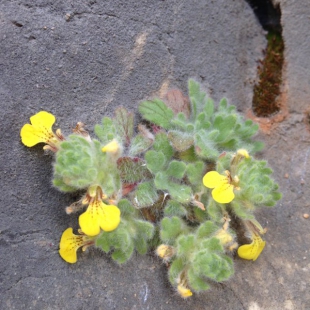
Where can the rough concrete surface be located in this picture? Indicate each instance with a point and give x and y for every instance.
(80, 60)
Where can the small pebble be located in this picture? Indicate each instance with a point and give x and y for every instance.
(306, 216)
(286, 175)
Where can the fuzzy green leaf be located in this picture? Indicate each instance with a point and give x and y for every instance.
(106, 131)
(205, 146)
(212, 245)
(181, 141)
(209, 108)
(175, 269)
(141, 246)
(174, 208)
(195, 172)
(171, 228)
(206, 229)
(126, 207)
(132, 170)
(161, 180)
(214, 210)
(179, 192)
(139, 144)
(162, 144)
(145, 195)
(196, 282)
(155, 161)
(156, 112)
(102, 242)
(197, 97)
(122, 257)
(176, 169)
(145, 229)
(124, 122)
(185, 245)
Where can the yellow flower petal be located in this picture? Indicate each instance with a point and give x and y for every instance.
(43, 119)
(253, 250)
(184, 292)
(111, 218)
(223, 193)
(213, 179)
(69, 243)
(165, 251)
(89, 223)
(112, 147)
(243, 153)
(98, 215)
(40, 129)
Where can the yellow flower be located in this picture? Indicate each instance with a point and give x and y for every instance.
(243, 152)
(184, 291)
(99, 215)
(40, 130)
(70, 243)
(223, 186)
(253, 250)
(112, 147)
(166, 252)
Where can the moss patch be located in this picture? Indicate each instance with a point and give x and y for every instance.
(270, 77)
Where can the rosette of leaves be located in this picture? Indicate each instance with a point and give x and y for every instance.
(256, 188)
(204, 131)
(199, 256)
(133, 233)
(80, 163)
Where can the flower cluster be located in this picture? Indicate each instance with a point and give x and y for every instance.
(98, 215)
(186, 176)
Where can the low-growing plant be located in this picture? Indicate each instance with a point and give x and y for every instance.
(174, 185)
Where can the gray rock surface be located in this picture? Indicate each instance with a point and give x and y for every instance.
(80, 60)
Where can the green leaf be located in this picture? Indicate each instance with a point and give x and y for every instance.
(145, 229)
(106, 131)
(209, 108)
(180, 121)
(205, 146)
(174, 208)
(141, 246)
(124, 122)
(181, 141)
(102, 242)
(145, 194)
(214, 210)
(223, 104)
(139, 144)
(171, 228)
(156, 112)
(196, 282)
(175, 269)
(197, 97)
(185, 245)
(179, 192)
(155, 161)
(122, 257)
(176, 169)
(212, 245)
(162, 144)
(161, 180)
(206, 229)
(195, 172)
(132, 169)
(126, 207)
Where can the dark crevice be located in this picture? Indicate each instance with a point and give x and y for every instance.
(267, 90)
(17, 24)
